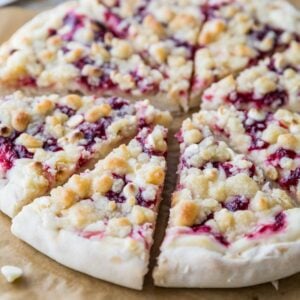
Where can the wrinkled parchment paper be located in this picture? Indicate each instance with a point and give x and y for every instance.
(45, 279)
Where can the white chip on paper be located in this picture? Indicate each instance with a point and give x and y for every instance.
(11, 273)
(275, 283)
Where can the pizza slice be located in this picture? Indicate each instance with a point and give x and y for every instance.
(237, 34)
(229, 225)
(46, 139)
(273, 83)
(101, 222)
(270, 139)
(67, 49)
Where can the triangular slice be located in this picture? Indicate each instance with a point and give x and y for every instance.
(237, 34)
(101, 222)
(229, 226)
(273, 83)
(44, 140)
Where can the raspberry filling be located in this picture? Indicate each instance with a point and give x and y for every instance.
(83, 61)
(142, 201)
(51, 145)
(28, 82)
(210, 10)
(231, 170)
(237, 203)
(74, 22)
(118, 197)
(291, 180)
(66, 110)
(143, 83)
(91, 234)
(52, 32)
(278, 225)
(191, 49)
(253, 128)
(204, 229)
(105, 83)
(264, 32)
(121, 106)
(139, 234)
(117, 103)
(274, 158)
(93, 131)
(115, 196)
(273, 99)
(114, 24)
(9, 152)
(142, 139)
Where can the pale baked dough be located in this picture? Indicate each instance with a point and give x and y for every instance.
(199, 268)
(109, 259)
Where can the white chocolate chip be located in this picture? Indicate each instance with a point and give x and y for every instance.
(11, 273)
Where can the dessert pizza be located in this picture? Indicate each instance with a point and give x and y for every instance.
(273, 83)
(101, 222)
(235, 210)
(229, 224)
(237, 34)
(46, 139)
(68, 50)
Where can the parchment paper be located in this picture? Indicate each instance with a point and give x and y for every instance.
(46, 279)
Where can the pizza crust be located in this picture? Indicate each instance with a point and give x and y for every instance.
(109, 259)
(194, 267)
